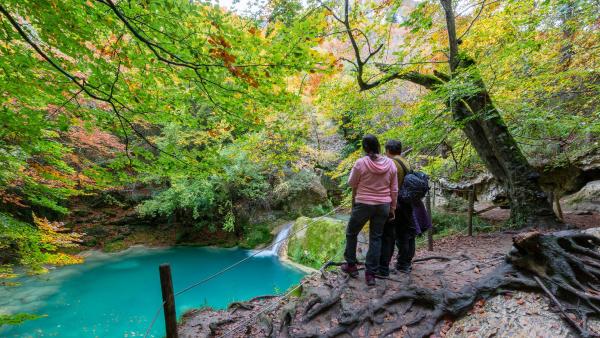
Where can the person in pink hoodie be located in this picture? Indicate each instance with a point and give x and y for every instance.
(374, 184)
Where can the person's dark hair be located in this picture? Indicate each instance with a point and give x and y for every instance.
(394, 147)
(371, 146)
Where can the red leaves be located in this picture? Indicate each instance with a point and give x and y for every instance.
(220, 52)
(98, 142)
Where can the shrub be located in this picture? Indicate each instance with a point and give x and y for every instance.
(299, 189)
(34, 246)
(450, 224)
(456, 204)
(255, 235)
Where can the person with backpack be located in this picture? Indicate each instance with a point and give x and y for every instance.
(374, 183)
(410, 218)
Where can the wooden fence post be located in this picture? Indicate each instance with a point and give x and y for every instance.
(433, 199)
(558, 208)
(471, 207)
(430, 231)
(166, 285)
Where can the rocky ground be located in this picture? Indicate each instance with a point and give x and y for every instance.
(327, 299)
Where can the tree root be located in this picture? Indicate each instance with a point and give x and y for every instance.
(214, 326)
(564, 265)
(318, 305)
(233, 307)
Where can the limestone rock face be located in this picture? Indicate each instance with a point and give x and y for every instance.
(299, 191)
(587, 199)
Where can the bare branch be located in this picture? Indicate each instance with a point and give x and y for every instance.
(473, 21)
(330, 11)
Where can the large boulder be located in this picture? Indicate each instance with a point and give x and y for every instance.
(587, 199)
(299, 191)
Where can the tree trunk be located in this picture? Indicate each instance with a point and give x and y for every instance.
(494, 143)
(492, 140)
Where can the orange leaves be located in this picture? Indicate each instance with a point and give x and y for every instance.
(218, 40)
(220, 52)
(52, 236)
(11, 199)
(48, 175)
(253, 31)
(98, 142)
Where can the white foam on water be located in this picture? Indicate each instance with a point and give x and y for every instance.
(273, 250)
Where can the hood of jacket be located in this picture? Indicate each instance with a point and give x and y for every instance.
(378, 166)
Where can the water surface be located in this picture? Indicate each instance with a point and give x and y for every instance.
(116, 295)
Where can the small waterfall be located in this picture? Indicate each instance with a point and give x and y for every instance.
(277, 242)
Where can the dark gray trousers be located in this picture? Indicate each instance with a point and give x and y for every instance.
(402, 232)
(361, 213)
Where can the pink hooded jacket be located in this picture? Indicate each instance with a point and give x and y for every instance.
(375, 181)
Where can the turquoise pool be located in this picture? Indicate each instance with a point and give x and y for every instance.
(116, 295)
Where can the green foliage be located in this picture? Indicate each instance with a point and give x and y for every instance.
(255, 235)
(209, 197)
(294, 185)
(33, 246)
(456, 204)
(114, 246)
(18, 319)
(322, 241)
(538, 61)
(214, 110)
(447, 224)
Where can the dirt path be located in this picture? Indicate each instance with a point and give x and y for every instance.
(582, 221)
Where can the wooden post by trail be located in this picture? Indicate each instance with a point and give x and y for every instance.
(430, 231)
(558, 208)
(166, 285)
(471, 207)
(433, 199)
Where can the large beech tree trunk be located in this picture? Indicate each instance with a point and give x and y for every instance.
(492, 140)
(485, 128)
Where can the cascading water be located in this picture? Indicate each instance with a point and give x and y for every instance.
(277, 242)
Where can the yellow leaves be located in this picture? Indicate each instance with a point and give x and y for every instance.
(55, 235)
(63, 259)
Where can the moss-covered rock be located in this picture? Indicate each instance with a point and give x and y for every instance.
(321, 241)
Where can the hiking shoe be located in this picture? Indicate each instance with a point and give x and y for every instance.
(403, 269)
(382, 274)
(350, 269)
(370, 278)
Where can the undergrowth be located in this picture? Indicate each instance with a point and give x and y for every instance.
(447, 224)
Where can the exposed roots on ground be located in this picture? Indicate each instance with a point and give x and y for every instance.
(565, 266)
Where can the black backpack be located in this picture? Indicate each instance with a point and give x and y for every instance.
(414, 187)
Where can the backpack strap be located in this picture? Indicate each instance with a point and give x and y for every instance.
(404, 169)
(403, 166)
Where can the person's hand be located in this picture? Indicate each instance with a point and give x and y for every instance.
(392, 215)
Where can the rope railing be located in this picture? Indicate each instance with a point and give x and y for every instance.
(278, 301)
(229, 267)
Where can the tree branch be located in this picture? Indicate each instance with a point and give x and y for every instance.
(84, 86)
(473, 21)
